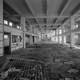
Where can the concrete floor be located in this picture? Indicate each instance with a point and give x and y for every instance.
(58, 58)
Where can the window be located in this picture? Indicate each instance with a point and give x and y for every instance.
(60, 31)
(5, 36)
(18, 27)
(16, 38)
(60, 39)
(64, 39)
(56, 39)
(10, 24)
(6, 22)
(76, 26)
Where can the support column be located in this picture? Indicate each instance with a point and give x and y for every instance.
(62, 35)
(24, 30)
(71, 34)
(31, 37)
(1, 29)
(58, 35)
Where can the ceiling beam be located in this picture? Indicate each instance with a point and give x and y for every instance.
(65, 7)
(33, 13)
(44, 9)
(47, 24)
(9, 15)
(48, 17)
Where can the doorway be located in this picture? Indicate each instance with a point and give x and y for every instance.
(7, 43)
(33, 39)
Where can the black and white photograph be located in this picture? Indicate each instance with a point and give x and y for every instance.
(39, 39)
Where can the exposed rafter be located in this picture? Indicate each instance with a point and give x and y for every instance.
(65, 7)
(75, 9)
(47, 16)
(44, 4)
(31, 9)
(44, 8)
(48, 24)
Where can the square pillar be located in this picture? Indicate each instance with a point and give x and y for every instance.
(71, 34)
(1, 29)
(57, 33)
(62, 35)
(31, 39)
(23, 24)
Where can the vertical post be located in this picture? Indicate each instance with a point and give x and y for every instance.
(24, 30)
(31, 37)
(1, 29)
(71, 35)
(58, 35)
(62, 35)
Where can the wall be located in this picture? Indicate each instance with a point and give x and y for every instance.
(70, 32)
(16, 32)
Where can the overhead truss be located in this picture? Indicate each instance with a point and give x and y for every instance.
(48, 16)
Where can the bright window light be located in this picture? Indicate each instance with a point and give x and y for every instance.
(6, 22)
(10, 24)
(60, 31)
(18, 27)
(5, 36)
(76, 26)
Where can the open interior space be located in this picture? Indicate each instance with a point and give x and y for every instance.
(39, 39)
